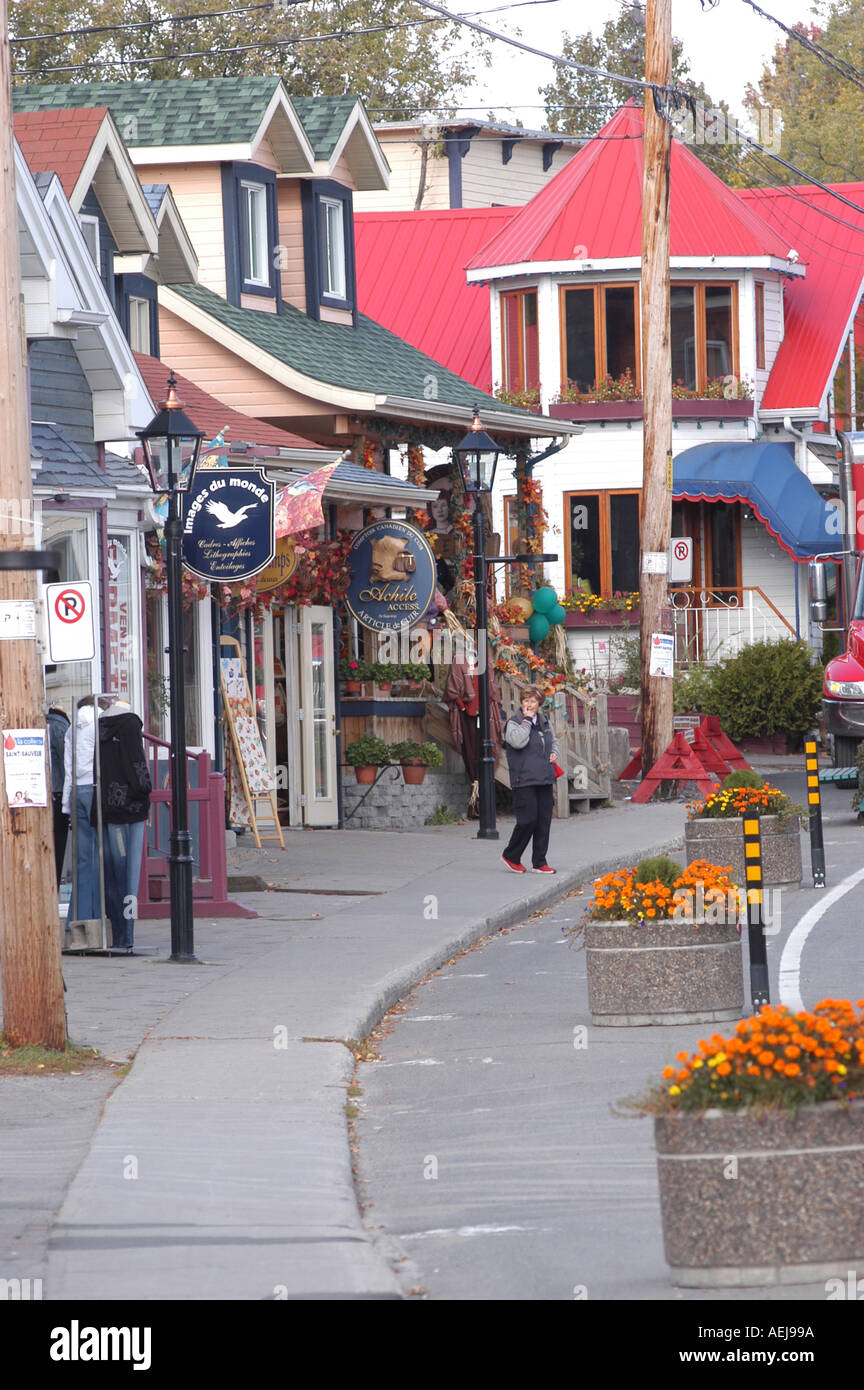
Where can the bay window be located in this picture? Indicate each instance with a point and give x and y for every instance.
(520, 347)
(600, 334)
(702, 333)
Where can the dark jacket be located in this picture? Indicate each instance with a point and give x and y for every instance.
(123, 772)
(529, 749)
(57, 726)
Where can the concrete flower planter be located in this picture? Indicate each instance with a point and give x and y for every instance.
(722, 842)
(664, 972)
(751, 1200)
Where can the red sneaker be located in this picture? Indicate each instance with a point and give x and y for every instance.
(513, 867)
(544, 869)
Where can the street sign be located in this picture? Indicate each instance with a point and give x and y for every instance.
(680, 559)
(69, 618)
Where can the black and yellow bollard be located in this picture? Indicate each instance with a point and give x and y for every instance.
(755, 928)
(814, 801)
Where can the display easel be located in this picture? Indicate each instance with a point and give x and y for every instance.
(255, 778)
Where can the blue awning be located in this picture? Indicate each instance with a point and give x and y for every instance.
(764, 477)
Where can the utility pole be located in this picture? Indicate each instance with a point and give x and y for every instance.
(30, 962)
(656, 521)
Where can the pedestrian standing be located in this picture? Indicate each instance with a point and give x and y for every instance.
(58, 723)
(87, 898)
(532, 754)
(125, 787)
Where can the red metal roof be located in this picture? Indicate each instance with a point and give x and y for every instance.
(411, 279)
(592, 209)
(58, 142)
(211, 415)
(819, 307)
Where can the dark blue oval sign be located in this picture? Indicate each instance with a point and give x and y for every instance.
(393, 576)
(228, 524)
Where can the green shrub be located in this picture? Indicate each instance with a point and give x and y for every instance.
(768, 688)
(659, 869)
(368, 751)
(693, 687)
(442, 815)
(742, 779)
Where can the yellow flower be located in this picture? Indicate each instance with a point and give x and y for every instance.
(697, 1062)
(674, 1090)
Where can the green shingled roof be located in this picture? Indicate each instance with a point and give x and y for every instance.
(177, 111)
(323, 120)
(365, 358)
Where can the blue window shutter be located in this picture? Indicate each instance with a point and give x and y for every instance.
(231, 227)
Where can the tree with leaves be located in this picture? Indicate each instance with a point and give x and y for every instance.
(580, 103)
(819, 108)
(392, 53)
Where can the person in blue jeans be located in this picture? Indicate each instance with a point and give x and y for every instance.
(86, 897)
(532, 751)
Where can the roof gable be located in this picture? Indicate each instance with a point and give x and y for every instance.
(592, 209)
(193, 117)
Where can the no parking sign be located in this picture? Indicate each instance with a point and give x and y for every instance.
(69, 615)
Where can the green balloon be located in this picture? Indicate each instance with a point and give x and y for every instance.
(538, 626)
(544, 599)
(556, 615)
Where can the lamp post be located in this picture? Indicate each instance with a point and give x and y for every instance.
(478, 458)
(171, 448)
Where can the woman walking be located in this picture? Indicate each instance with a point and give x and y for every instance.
(532, 751)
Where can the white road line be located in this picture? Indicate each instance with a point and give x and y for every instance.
(790, 959)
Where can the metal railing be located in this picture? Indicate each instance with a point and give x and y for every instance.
(712, 623)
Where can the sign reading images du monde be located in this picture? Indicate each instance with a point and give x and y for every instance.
(393, 576)
(228, 524)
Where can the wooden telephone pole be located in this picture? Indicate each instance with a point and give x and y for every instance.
(656, 521)
(33, 1010)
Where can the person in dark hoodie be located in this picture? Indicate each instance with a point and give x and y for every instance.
(125, 786)
(532, 751)
(58, 723)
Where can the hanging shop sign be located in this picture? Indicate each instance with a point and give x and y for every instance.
(228, 524)
(282, 566)
(393, 576)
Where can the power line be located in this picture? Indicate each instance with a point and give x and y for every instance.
(831, 60)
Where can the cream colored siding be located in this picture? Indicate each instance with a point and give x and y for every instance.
(259, 302)
(330, 315)
(291, 263)
(487, 181)
(404, 157)
(197, 190)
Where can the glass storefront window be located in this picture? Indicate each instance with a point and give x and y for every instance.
(69, 533)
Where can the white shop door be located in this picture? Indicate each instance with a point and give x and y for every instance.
(317, 717)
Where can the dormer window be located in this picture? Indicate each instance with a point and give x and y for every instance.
(90, 228)
(249, 212)
(328, 249)
(253, 211)
(333, 240)
(139, 325)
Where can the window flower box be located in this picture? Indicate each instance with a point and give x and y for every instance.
(633, 410)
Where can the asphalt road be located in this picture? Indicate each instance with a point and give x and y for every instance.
(492, 1154)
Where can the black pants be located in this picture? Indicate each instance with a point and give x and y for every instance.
(61, 832)
(532, 807)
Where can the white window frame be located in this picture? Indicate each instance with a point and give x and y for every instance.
(90, 230)
(333, 220)
(139, 325)
(254, 213)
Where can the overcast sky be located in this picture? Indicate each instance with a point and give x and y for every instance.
(726, 46)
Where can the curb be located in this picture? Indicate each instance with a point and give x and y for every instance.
(405, 978)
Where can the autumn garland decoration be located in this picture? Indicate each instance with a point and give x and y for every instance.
(322, 577)
(156, 576)
(774, 1059)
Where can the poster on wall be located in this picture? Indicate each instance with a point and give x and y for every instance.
(662, 658)
(228, 530)
(119, 623)
(393, 576)
(24, 767)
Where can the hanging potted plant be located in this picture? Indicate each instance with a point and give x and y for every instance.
(384, 673)
(366, 754)
(414, 758)
(663, 945)
(414, 673)
(715, 828)
(760, 1151)
(352, 673)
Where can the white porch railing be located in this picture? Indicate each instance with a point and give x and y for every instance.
(712, 624)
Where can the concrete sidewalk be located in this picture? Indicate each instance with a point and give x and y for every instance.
(220, 1166)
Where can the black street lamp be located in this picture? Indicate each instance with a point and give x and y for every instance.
(171, 448)
(478, 458)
